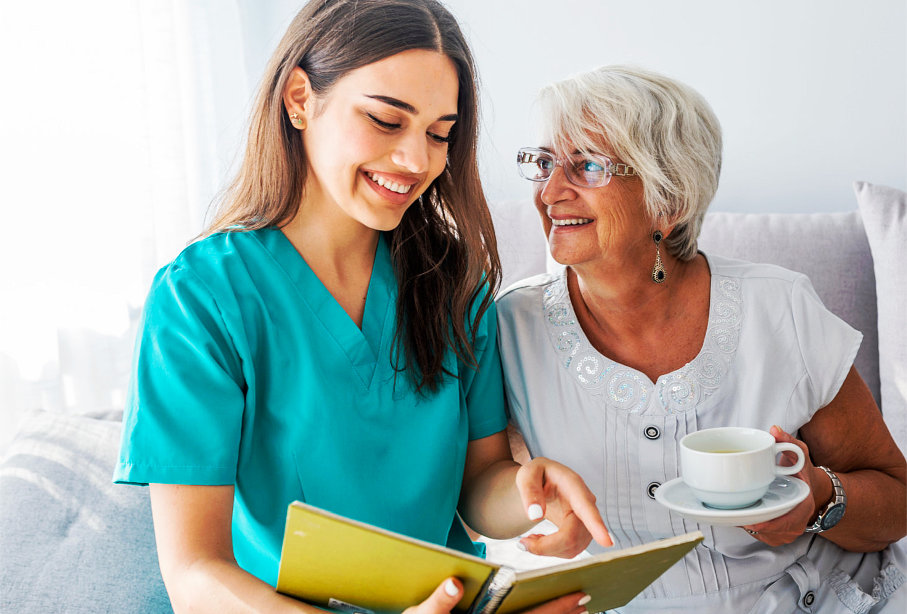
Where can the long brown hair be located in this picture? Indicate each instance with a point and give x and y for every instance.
(444, 251)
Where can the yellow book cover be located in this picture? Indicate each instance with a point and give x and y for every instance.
(350, 566)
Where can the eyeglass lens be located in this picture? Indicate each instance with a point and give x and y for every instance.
(581, 170)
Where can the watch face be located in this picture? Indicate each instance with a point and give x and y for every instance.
(832, 516)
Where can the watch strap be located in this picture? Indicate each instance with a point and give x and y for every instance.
(838, 498)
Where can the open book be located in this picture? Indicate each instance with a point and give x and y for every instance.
(345, 565)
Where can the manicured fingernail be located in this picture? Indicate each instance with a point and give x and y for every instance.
(450, 588)
(522, 546)
(535, 512)
(586, 599)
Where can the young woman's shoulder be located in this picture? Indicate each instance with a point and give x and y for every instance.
(219, 258)
(213, 273)
(215, 250)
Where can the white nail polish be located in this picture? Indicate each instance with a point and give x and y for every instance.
(535, 512)
(521, 546)
(586, 599)
(450, 588)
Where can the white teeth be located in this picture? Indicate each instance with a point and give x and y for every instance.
(390, 185)
(571, 222)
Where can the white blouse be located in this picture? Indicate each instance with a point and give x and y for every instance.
(772, 354)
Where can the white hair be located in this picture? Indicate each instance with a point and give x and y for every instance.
(659, 126)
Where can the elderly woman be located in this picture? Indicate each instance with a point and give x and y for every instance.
(642, 339)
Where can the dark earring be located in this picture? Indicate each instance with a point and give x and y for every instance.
(658, 271)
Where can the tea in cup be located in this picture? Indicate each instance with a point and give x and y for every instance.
(732, 467)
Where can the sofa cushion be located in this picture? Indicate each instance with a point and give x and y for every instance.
(884, 212)
(72, 541)
(522, 246)
(830, 248)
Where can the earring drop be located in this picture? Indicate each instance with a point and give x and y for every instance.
(658, 271)
(296, 121)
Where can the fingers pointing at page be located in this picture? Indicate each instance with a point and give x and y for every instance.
(551, 490)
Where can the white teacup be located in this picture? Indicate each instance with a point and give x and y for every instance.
(732, 467)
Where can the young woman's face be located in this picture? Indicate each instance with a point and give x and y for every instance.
(379, 137)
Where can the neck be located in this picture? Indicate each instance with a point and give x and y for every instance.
(624, 299)
(332, 242)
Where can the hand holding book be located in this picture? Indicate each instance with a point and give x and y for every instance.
(350, 566)
(442, 601)
(448, 594)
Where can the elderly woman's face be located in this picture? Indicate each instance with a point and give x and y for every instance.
(604, 225)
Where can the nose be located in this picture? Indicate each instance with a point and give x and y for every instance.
(555, 188)
(411, 153)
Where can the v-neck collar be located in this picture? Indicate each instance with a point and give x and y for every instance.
(363, 347)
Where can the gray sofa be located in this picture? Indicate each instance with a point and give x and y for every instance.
(71, 541)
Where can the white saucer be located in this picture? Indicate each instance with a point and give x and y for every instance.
(782, 496)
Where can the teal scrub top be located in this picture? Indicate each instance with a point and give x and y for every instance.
(247, 372)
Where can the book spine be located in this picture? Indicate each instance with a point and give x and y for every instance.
(498, 588)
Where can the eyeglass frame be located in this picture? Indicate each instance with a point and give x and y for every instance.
(621, 169)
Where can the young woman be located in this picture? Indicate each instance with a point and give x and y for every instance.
(332, 339)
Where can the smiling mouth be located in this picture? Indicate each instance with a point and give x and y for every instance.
(573, 221)
(387, 184)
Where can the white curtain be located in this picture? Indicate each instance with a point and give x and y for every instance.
(120, 120)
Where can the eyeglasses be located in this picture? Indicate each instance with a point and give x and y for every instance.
(583, 170)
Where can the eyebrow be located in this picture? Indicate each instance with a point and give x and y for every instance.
(408, 107)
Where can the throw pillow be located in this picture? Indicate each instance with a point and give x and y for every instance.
(829, 248)
(884, 212)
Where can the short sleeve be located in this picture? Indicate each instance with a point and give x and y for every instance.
(484, 387)
(828, 345)
(183, 414)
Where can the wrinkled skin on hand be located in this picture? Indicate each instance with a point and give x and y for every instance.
(785, 529)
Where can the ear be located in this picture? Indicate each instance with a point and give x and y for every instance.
(298, 97)
(665, 224)
(667, 230)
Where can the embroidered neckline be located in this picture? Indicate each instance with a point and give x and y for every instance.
(627, 389)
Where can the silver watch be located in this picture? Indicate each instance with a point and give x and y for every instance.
(834, 511)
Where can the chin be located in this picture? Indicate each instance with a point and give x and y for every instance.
(566, 262)
(561, 258)
(384, 221)
(561, 254)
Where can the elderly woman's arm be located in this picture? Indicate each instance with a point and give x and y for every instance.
(849, 437)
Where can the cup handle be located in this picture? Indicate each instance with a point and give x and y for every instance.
(789, 447)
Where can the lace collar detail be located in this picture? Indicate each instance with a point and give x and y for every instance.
(627, 389)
